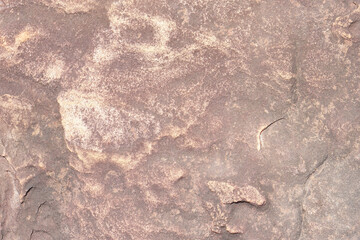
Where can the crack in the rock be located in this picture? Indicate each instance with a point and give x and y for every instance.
(294, 71)
(301, 218)
(293, 90)
(307, 180)
(38, 209)
(6, 158)
(10, 164)
(31, 234)
(26, 194)
(319, 165)
(40, 231)
(265, 128)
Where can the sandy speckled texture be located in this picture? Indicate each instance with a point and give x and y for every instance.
(190, 119)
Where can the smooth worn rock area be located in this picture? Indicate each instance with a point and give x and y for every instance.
(188, 119)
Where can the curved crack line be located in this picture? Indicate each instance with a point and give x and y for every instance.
(38, 231)
(38, 209)
(318, 167)
(259, 138)
(26, 194)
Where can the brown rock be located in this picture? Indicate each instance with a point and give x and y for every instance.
(234, 229)
(175, 119)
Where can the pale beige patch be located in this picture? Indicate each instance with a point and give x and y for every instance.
(341, 25)
(36, 130)
(234, 229)
(94, 188)
(151, 197)
(9, 50)
(286, 75)
(72, 6)
(15, 110)
(55, 70)
(25, 35)
(85, 116)
(219, 215)
(126, 162)
(230, 193)
(173, 131)
(88, 158)
(120, 18)
(47, 68)
(103, 54)
(2, 149)
(174, 174)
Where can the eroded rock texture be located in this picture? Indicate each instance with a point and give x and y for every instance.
(164, 119)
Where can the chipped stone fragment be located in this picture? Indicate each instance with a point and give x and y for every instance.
(229, 193)
(234, 229)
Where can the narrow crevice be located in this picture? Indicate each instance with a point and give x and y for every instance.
(38, 209)
(26, 194)
(10, 164)
(293, 90)
(31, 234)
(294, 71)
(317, 168)
(39, 231)
(301, 219)
(5, 156)
(264, 129)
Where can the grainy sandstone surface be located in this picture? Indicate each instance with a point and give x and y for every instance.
(179, 119)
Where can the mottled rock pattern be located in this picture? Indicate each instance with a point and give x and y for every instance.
(228, 193)
(234, 119)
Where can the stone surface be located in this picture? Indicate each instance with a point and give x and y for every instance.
(234, 119)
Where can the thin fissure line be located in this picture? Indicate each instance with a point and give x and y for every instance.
(259, 135)
(308, 178)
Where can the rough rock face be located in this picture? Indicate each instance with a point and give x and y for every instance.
(205, 119)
